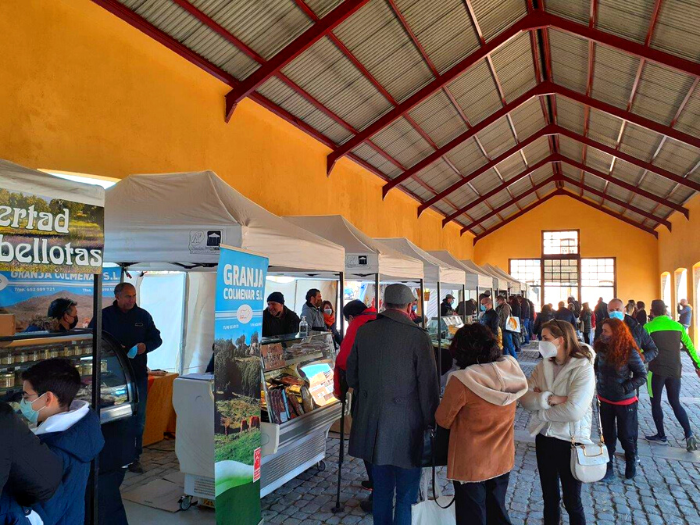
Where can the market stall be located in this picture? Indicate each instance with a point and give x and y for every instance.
(58, 230)
(445, 278)
(367, 261)
(500, 283)
(178, 222)
(485, 279)
(514, 286)
(471, 279)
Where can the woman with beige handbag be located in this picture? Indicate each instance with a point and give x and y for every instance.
(561, 389)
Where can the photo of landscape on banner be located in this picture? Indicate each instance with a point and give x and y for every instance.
(240, 288)
(27, 295)
(49, 235)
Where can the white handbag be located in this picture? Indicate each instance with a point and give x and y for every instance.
(433, 511)
(590, 462)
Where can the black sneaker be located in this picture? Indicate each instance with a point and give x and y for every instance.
(609, 473)
(630, 468)
(659, 440)
(691, 444)
(367, 485)
(136, 467)
(366, 505)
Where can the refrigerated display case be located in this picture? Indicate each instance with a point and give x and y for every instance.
(117, 389)
(298, 406)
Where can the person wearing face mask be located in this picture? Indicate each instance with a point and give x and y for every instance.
(357, 314)
(62, 317)
(329, 322)
(504, 312)
(489, 317)
(620, 371)
(665, 372)
(69, 428)
(561, 390)
(616, 310)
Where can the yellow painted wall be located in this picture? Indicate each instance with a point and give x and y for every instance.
(600, 236)
(83, 91)
(681, 249)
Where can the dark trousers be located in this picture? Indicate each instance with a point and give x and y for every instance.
(528, 330)
(368, 468)
(482, 503)
(587, 337)
(673, 392)
(111, 508)
(139, 420)
(620, 422)
(390, 480)
(554, 465)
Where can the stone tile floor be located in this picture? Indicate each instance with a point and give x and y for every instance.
(664, 491)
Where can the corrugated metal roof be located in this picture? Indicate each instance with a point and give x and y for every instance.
(494, 16)
(475, 92)
(439, 118)
(640, 142)
(628, 172)
(439, 175)
(519, 187)
(486, 182)
(660, 92)
(577, 10)
(677, 29)
(536, 151)
(375, 36)
(323, 7)
(333, 80)
(528, 118)
(366, 152)
(689, 120)
(499, 199)
(415, 188)
(604, 128)
(593, 198)
(490, 223)
(511, 166)
(656, 185)
(526, 201)
(613, 76)
(463, 196)
(514, 67)
(630, 18)
(677, 157)
(598, 160)
(442, 28)
(569, 60)
(570, 114)
(570, 148)
(497, 138)
(467, 157)
(594, 182)
(403, 142)
(617, 192)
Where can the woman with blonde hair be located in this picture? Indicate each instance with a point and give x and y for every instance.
(561, 390)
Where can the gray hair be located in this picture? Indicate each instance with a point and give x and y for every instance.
(120, 288)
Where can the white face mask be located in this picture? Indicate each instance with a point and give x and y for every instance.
(547, 349)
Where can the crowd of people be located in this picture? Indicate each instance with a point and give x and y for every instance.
(600, 356)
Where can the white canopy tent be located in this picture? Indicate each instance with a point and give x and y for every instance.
(25, 180)
(514, 284)
(434, 270)
(176, 221)
(500, 283)
(486, 280)
(471, 276)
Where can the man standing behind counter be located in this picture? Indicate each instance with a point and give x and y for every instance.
(312, 310)
(133, 327)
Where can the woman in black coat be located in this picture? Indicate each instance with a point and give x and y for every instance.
(546, 315)
(641, 313)
(620, 371)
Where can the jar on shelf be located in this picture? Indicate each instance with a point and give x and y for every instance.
(103, 366)
(33, 355)
(7, 380)
(67, 352)
(45, 354)
(87, 368)
(6, 359)
(77, 351)
(53, 353)
(22, 358)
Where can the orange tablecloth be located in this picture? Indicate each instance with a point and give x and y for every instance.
(160, 414)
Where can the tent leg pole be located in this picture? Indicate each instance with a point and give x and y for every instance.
(376, 292)
(439, 333)
(341, 455)
(422, 304)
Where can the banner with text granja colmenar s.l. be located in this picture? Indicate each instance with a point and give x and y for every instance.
(43, 234)
(240, 286)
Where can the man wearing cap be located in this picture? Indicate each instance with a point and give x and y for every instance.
(446, 306)
(392, 367)
(277, 318)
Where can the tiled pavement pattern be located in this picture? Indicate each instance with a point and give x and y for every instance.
(665, 490)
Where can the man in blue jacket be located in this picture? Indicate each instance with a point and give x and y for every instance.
(69, 428)
(134, 328)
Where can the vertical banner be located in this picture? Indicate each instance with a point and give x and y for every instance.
(240, 287)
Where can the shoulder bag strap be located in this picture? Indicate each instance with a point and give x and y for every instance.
(432, 439)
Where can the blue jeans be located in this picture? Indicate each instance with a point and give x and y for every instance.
(508, 347)
(387, 481)
(526, 325)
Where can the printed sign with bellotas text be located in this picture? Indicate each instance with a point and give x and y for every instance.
(240, 288)
(49, 235)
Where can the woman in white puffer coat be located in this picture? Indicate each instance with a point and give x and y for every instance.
(560, 394)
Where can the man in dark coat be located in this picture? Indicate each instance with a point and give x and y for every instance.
(277, 318)
(564, 314)
(616, 309)
(134, 328)
(29, 472)
(489, 317)
(446, 305)
(391, 365)
(525, 318)
(601, 311)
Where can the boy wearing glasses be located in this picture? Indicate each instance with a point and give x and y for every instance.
(69, 428)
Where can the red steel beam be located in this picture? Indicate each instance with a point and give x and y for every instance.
(547, 130)
(621, 203)
(536, 91)
(508, 204)
(592, 19)
(500, 188)
(629, 158)
(610, 212)
(626, 186)
(289, 53)
(517, 215)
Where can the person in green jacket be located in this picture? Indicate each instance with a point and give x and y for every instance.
(665, 372)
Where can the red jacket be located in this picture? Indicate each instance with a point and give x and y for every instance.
(341, 361)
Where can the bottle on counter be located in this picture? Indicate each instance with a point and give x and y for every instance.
(303, 327)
